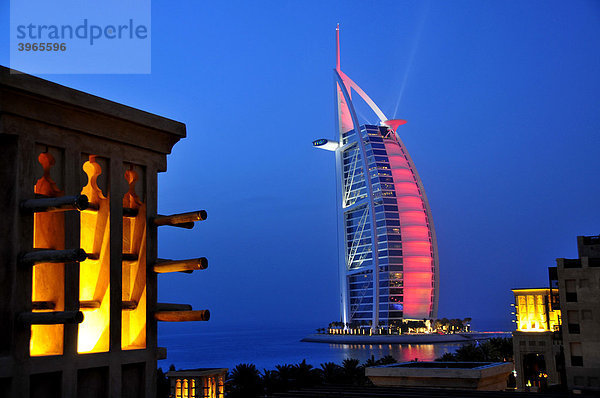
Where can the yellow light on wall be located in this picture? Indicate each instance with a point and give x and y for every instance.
(533, 312)
(94, 273)
(133, 319)
(48, 278)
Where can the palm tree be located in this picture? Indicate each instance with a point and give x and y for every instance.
(447, 357)
(331, 372)
(285, 373)
(244, 381)
(306, 375)
(466, 323)
(370, 362)
(271, 382)
(353, 373)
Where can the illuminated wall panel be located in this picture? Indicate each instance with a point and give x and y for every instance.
(48, 278)
(416, 236)
(94, 273)
(133, 315)
(414, 232)
(402, 175)
(416, 218)
(533, 311)
(415, 248)
(409, 203)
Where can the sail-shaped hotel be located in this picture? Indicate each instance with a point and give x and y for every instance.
(388, 256)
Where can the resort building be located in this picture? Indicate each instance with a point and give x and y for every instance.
(388, 258)
(537, 345)
(464, 376)
(78, 242)
(579, 292)
(557, 340)
(197, 383)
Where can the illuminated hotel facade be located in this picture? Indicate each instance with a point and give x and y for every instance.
(388, 258)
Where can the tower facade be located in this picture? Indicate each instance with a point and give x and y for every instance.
(387, 255)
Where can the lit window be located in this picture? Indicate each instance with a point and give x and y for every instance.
(185, 389)
(178, 389)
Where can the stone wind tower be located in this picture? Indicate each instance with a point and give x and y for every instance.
(78, 242)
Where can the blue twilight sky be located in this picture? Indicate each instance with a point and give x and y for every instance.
(503, 107)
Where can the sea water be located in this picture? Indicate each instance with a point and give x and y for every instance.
(270, 346)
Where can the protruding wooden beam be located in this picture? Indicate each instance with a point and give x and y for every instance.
(50, 318)
(193, 264)
(129, 305)
(130, 212)
(43, 305)
(89, 305)
(173, 307)
(53, 256)
(127, 211)
(182, 316)
(61, 203)
(129, 257)
(182, 220)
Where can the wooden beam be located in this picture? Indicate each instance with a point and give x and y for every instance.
(193, 264)
(130, 212)
(173, 307)
(129, 257)
(182, 220)
(43, 305)
(89, 304)
(61, 203)
(127, 211)
(50, 318)
(53, 256)
(182, 316)
(129, 305)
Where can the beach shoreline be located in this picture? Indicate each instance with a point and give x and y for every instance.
(402, 338)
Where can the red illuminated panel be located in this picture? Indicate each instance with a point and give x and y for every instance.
(406, 188)
(415, 233)
(410, 203)
(394, 123)
(420, 280)
(418, 264)
(399, 162)
(393, 150)
(343, 111)
(417, 249)
(413, 218)
(402, 175)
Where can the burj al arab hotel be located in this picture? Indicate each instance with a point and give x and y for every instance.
(388, 257)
